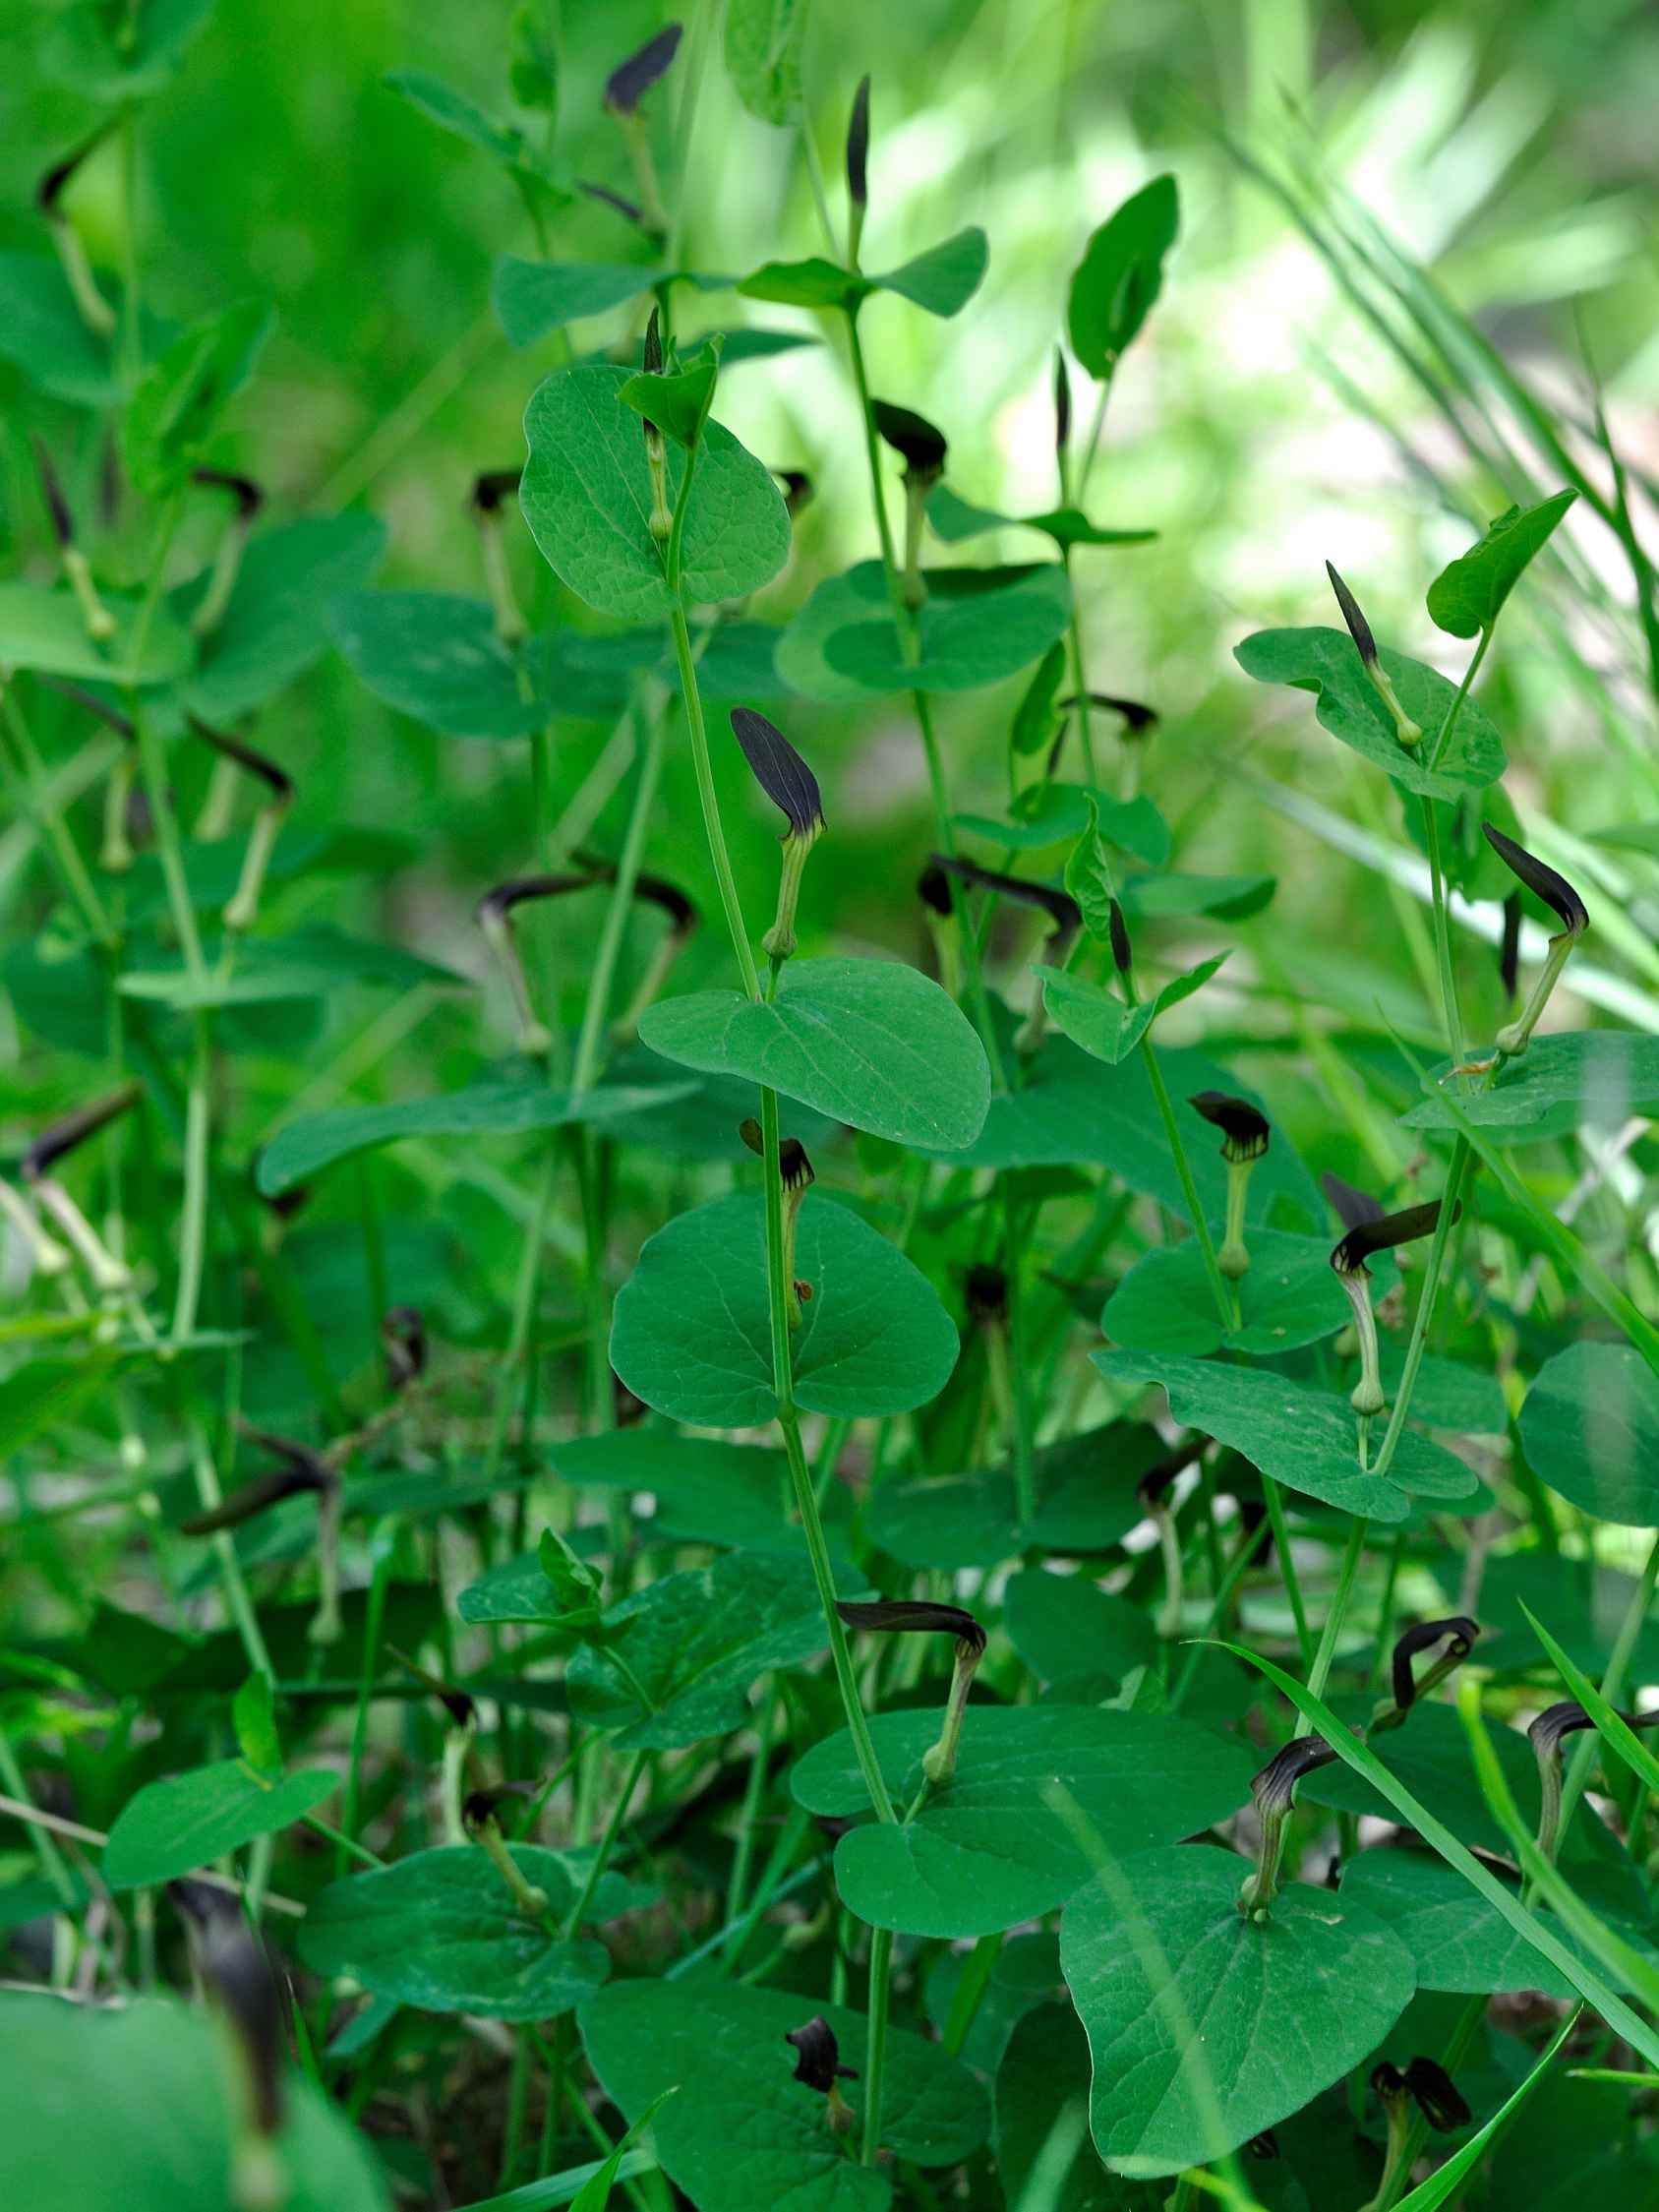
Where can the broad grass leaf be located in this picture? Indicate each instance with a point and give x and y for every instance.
(987, 1850)
(442, 1931)
(977, 626)
(1098, 1021)
(276, 621)
(188, 1821)
(870, 1042)
(1561, 1082)
(133, 2104)
(1590, 1430)
(1468, 594)
(1120, 275)
(1207, 2027)
(532, 298)
(763, 42)
(507, 1107)
(1303, 1438)
(692, 1332)
(745, 2135)
(1327, 663)
(43, 628)
(699, 1642)
(586, 496)
(1288, 1299)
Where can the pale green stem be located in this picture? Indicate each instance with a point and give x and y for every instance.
(875, 2049)
(606, 1843)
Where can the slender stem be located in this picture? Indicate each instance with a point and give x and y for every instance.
(710, 802)
(1183, 1168)
(1288, 1567)
(1443, 937)
(613, 1827)
(1080, 675)
(230, 1567)
(596, 1010)
(1025, 1474)
(875, 2055)
(1442, 735)
(1326, 1653)
(1584, 1752)
(1461, 1156)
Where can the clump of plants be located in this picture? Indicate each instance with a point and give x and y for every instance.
(979, 1625)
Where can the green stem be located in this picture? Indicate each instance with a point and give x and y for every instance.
(1443, 937)
(1183, 1168)
(1326, 1653)
(596, 1010)
(1426, 1297)
(613, 1827)
(718, 854)
(875, 2053)
(1287, 1568)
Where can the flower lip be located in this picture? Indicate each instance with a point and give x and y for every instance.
(859, 146)
(780, 771)
(247, 495)
(1274, 1788)
(1140, 718)
(403, 1340)
(817, 2056)
(1457, 1633)
(613, 200)
(1509, 950)
(1060, 906)
(1353, 1208)
(276, 781)
(1123, 952)
(794, 1168)
(260, 1495)
(1246, 1131)
(54, 179)
(1543, 881)
(906, 1616)
(457, 1702)
(629, 81)
(986, 1291)
(1159, 1477)
(1359, 630)
(73, 1129)
(1381, 1235)
(921, 445)
(492, 488)
(681, 910)
(1556, 1721)
(499, 902)
(235, 1967)
(799, 489)
(933, 889)
(1439, 2099)
(51, 487)
(1062, 402)
(482, 1805)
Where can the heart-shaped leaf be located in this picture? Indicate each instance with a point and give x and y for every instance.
(1468, 594)
(743, 2133)
(870, 1042)
(1207, 2027)
(1121, 274)
(957, 519)
(763, 42)
(1327, 662)
(1099, 1021)
(45, 629)
(1067, 1629)
(443, 1932)
(1301, 1437)
(1289, 1297)
(976, 627)
(188, 1821)
(1599, 1075)
(941, 280)
(275, 622)
(437, 657)
(532, 298)
(692, 1329)
(988, 1849)
(704, 1491)
(1591, 1428)
(586, 495)
(1455, 1939)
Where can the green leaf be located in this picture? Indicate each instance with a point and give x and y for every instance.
(1098, 1020)
(1070, 1110)
(1303, 1438)
(1365, 1763)
(442, 1931)
(692, 1331)
(114, 54)
(813, 282)
(1067, 1629)
(438, 657)
(706, 1491)
(176, 407)
(745, 2134)
(1121, 274)
(1561, 1082)
(1459, 1943)
(988, 1849)
(306, 964)
(1228, 898)
(43, 629)
(46, 1392)
(955, 520)
(1086, 1501)
(976, 627)
(1289, 1297)
(1035, 717)
(1591, 1428)
(45, 335)
(586, 496)
(1327, 662)
(944, 278)
(1445, 2181)
(1207, 2027)
(276, 621)
(504, 1109)
(1468, 594)
(135, 2105)
(453, 112)
(253, 1714)
(870, 1042)
(188, 1821)
(533, 60)
(697, 1643)
(677, 404)
(1614, 1729)
(532, 298)
(763, 42)
(1043, 2154)
(1044, 813)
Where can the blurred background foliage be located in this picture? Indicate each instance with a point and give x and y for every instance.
(1368, 192)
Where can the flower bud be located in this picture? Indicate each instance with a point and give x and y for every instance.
(1569, 909)
(1359, 630)
(1245, 1136)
